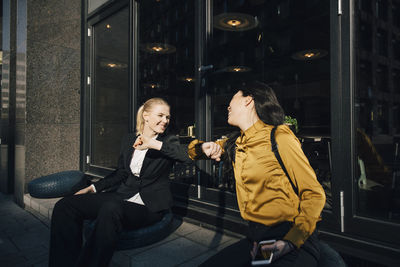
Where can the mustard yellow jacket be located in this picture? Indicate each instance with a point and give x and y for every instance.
(264, 194)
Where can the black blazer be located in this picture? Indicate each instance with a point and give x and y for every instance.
(153, 182)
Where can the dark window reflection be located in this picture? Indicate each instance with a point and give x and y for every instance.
(396, 81)
(381, 9)
(377, 101)
(285, 44)
(365, 82)
(382, 78)
(383, 116)
(396, 118)
(166, 65)
(110, 94)
(366, 5)
(396, 46)
(381, 43)
(365, 42)
(396, 13)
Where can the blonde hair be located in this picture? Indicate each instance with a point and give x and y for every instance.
(147, 106)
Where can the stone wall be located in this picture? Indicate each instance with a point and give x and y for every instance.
(48, 73)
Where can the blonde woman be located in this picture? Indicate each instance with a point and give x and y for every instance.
(142, 197)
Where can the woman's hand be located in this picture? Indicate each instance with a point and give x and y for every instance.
(85, 190)
(143, 142)
(212, 150)
(279, 248)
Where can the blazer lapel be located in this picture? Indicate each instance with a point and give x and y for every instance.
(145, 164)
(147, 158)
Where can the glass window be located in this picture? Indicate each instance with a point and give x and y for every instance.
(285, 44)
(110, 88)
(166, 66)
(377, 101)
(396, 81)
(396, 14)
(396, 46)
(382, 78)
(365, 42)
(365, 84)
(396, 118)
(381, 9)
(381, 43)
(366, 5)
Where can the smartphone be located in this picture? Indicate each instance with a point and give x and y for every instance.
(263, 257)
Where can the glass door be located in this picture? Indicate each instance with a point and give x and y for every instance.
(108, 84)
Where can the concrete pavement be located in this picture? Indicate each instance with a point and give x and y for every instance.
(24, 239)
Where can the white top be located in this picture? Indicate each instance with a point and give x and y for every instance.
(136, 165)
(137, 161)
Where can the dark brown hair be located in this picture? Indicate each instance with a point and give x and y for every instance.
(267, 107)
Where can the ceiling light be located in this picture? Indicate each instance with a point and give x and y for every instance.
(187, 79)
(151, 85)
(113, 65)
(235, 22)
(158, 48)
(236, 69)
(309, 54)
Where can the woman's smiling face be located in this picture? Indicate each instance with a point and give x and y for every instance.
(157, 119)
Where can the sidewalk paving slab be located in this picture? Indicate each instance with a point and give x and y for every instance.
(24, 239)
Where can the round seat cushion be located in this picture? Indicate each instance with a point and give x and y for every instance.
(142, 236)
(59, 184)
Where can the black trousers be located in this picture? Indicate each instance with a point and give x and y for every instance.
(111, 214)
(238, 254)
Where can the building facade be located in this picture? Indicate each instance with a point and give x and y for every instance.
(74, 72)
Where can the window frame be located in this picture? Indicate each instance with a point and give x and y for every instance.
(369, 228)
(99, 15)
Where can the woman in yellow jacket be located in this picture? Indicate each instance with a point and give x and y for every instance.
(265, 196)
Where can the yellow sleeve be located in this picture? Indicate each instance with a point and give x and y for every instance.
(196, 153)
(311, 193)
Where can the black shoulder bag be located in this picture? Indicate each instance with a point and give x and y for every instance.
(312, 243)
(274, 146)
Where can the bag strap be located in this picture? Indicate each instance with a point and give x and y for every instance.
(274, 146)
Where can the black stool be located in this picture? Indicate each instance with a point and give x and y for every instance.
(66, 183)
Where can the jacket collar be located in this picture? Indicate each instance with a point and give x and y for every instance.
(250, 132)
(132, 139)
